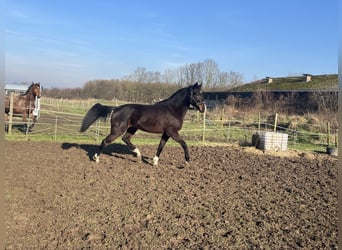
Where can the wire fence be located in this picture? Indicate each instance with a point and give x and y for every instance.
(210, 127)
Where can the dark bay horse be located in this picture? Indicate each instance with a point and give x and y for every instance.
(165, 117)
(24, 104)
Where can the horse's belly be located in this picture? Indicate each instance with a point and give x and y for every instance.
(151, 129)
(151, 126)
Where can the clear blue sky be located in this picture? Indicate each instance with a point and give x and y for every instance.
(66, 43)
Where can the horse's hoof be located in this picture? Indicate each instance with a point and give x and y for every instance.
(96, 158)
(181, 166)
(155, 160)
(137, 152)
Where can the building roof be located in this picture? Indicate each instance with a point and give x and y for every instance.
(16, 87)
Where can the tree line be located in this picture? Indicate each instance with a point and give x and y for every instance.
(148, 86)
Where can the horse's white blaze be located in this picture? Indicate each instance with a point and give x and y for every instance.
(137, 151)
(155, 160)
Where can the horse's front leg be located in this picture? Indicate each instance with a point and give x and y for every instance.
(162, 143)
(179, 139)
(6, 122)
(32, 124)
(24, 117)
(25, 127)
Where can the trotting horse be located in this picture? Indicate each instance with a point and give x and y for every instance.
(165, 117)
(24, 104)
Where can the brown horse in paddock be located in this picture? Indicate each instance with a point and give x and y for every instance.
(164, 117)
(24, 104)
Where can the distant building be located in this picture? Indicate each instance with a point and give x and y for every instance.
(307, 77)
(268, 79)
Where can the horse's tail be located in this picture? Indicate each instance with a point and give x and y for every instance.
(94, 113)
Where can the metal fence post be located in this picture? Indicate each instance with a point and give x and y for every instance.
(56, 129)
(10, 113)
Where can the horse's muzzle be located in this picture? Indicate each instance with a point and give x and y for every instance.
(201, 107)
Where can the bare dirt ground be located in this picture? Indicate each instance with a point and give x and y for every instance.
(226, 198)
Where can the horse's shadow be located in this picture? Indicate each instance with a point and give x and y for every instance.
(22, 128)
(113, 149)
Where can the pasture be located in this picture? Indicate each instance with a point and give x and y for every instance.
(228, 197)
(60, 120)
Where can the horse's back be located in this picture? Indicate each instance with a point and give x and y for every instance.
(19, 104)
(150, 118)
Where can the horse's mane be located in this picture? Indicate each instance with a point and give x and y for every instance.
(173, 95)
(29, 88)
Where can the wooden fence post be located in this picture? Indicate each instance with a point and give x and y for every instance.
(203, 127)
(229, 132)
(275, 123)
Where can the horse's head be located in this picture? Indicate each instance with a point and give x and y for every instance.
(196, 97)
(36, 89)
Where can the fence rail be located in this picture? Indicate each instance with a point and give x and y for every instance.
(208, 128)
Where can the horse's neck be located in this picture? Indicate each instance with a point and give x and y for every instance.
(179, 104)
(29, 97)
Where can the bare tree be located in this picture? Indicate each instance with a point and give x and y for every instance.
(191, 73)
(211, 72)
(140, 75)
(222, 80)
(181, 76)
(234, 79)
(169, 76)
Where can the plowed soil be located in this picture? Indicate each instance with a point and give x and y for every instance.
(226, 198)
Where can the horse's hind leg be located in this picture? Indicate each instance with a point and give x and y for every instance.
(115, 133)
(127, 139)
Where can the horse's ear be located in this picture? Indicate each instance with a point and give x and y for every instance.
(198, 86)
